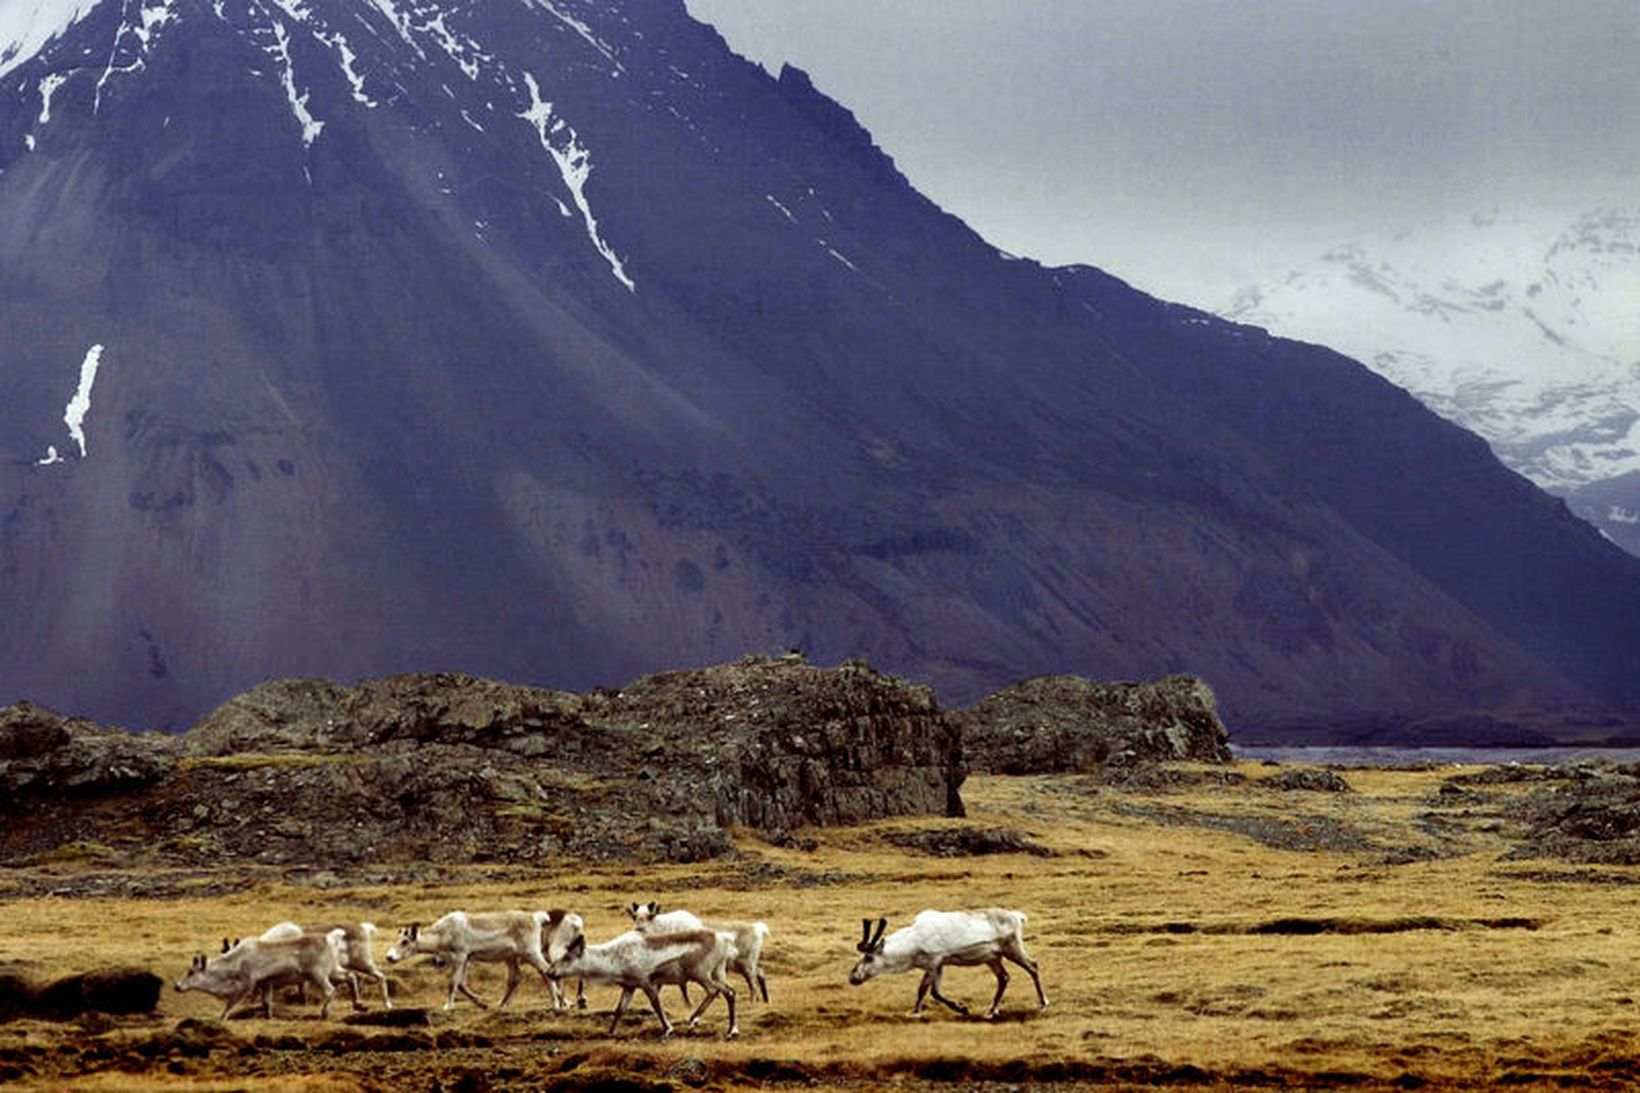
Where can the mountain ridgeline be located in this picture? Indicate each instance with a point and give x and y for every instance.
(552, 341)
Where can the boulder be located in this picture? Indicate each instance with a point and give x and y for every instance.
(1054, 724)
(110, 990)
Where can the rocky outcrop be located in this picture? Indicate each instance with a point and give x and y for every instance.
(1066, 723)
(43, 754)
(784, 744)
(1581, 812)
(450, 768)
(1307, 780)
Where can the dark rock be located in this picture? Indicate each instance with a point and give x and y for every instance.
(45, 755)
(1066, 723)
(109, 991)
(962, 842)
(1309, 779)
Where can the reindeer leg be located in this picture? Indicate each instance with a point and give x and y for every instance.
(934, 989)
(234, 1000)
(458, 982)
(620, 1009)
(655, 1000)
(728, 993)
(922, 993)
(514, 974)
(554, 988)
(387, 1000)
(762, 984)
(1016, 953)
(711, 996)
(1002, 984)
(580, 994)
(327, 990)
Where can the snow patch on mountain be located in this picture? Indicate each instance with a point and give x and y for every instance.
(575, 165)
(586, 34)
(346, 57)
(48, 87)
(1523, 329)
(28, 26)
(280, 52)
(132, 42)
(78, 407)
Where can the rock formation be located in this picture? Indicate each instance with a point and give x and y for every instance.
(450, 768)
(1066, 723)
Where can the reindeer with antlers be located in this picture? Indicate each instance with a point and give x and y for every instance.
(936, 939)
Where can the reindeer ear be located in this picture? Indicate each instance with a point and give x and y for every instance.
(415, 929)
(654, 907)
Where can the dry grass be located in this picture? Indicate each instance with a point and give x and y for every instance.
(1152, 936)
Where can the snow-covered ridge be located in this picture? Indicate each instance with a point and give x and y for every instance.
(27, 26)
(384, 50)
(1523, 330)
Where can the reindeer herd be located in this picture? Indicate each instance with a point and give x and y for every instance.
(662, 949)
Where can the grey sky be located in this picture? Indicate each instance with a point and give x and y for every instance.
(1192, 145)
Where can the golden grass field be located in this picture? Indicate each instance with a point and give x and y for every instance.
(1455, 968)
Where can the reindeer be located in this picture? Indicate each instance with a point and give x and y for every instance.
(938, 938)
(634, 961)
(249, 968)
(509, 937)
(745, 941)
(357, 958)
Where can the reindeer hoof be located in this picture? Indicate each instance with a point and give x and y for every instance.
(732, 1034)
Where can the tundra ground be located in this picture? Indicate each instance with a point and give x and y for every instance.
(1206, 933)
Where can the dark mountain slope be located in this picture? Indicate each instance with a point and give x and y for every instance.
(554, 342)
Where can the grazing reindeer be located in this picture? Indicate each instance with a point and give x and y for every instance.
(357, 958)
(647, 962)
(509, 937)
(938, 938)
(251, 968)
(745, 941)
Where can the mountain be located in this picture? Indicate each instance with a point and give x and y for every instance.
(1521, 328)
(549, 340)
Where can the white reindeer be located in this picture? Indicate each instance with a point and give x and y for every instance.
(745, 940)
(636, 961)
(936, 939)
(255, 966)
(509, 937)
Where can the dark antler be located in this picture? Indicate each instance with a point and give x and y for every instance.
(877, 938)
(865, 936)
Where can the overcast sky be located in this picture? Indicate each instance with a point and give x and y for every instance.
(1194, 145)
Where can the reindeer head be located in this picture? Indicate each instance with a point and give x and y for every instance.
(870, 948)
(406, 946)
(642, 913)
(194, 976)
